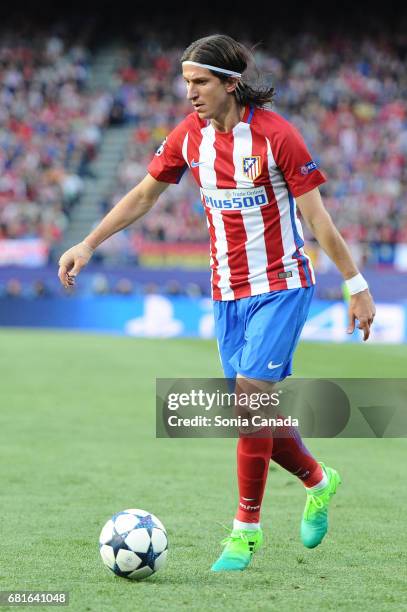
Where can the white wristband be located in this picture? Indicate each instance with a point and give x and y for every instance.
(356, 284)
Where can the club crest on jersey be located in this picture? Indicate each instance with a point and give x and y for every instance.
(252, 167)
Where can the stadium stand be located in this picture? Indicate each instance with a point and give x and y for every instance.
(50, 131)
(78, 127)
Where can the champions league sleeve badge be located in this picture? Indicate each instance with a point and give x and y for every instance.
(161, 148)
(308, 167)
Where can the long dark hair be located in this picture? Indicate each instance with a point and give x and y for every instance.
(223, 51)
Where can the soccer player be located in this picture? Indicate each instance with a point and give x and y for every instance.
(253, 170)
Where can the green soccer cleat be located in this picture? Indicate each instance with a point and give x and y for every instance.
(314, 524)
(239, 549)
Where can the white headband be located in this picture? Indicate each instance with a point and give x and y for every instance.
(223, 70)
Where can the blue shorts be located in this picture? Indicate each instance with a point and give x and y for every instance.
(257, 335)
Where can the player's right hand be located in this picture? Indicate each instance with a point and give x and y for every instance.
(72, 262)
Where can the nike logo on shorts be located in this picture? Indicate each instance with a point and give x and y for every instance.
(194, 164)
(271, 366)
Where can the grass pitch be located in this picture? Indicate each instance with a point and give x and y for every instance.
(77, 443)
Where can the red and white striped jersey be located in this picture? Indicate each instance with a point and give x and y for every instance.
(249, 179)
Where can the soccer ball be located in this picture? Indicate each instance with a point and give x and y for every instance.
(133, 544)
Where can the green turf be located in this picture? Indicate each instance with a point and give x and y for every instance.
(77, 443)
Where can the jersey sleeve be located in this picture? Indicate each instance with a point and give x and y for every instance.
(300, 171)
(168, 164)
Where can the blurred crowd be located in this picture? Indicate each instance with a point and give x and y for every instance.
(99, 284)
(346, 96)
(50, 130)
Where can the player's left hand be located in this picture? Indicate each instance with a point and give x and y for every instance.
(362, 308)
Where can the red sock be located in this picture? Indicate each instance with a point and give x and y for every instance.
(290, 452)
(253, 457)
